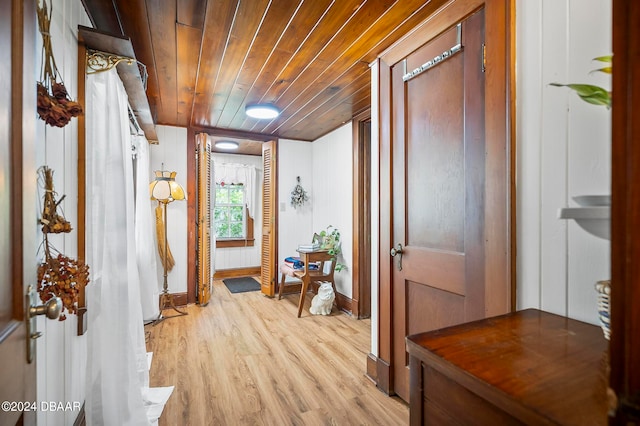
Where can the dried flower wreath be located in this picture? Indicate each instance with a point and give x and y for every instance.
(298, 195)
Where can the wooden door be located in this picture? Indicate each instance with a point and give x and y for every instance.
(269, 254)
(17, 90)
(438, 151)
(203, 177)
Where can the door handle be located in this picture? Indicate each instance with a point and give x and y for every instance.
(51, 310)
(397, 251)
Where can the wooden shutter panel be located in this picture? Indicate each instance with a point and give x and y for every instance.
(269, 211)
(203, 223)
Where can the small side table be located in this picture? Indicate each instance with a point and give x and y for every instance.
(308, 276)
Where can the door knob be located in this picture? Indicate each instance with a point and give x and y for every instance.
(397, 251)
(51, 309)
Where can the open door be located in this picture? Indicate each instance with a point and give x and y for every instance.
(203, 202)
(444, 253)
(269, 255)
(17, 375)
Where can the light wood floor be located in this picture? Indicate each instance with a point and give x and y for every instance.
(247, 359)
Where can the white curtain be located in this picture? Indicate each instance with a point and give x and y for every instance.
(116, 356)
(232, 173)
(145, 233)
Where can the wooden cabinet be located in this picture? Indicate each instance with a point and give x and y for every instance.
(527, 367)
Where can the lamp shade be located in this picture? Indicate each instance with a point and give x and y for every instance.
(165, 188)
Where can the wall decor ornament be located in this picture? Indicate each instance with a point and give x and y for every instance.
(55, 106)
(58, 275)
(298, 195)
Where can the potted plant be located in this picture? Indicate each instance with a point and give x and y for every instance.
(329, 240)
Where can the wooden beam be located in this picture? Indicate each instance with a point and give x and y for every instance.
(103, 15)
(129, 74)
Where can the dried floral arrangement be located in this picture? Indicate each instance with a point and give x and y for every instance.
(52, 222)
(58, 275)
(63, 277)
(55, 106)
(298, 195)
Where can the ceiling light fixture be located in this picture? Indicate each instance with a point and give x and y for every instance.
(226, 145)
(262, 111)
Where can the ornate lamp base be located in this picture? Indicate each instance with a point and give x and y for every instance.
(167, 298)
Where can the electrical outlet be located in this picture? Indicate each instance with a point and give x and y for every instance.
(283, 207)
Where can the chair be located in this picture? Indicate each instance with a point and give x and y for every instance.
(327, 262)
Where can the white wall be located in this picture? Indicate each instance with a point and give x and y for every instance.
(172, 152)
(242, 257)
(61, 353)
(325, 167)
(332, 200)
(295, 225)
(563, 150)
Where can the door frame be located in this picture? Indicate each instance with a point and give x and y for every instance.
(361, 269)
(500, 166)
(192, 243)
(20, 112)
(624, 347)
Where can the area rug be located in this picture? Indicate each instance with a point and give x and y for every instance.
(241, 285)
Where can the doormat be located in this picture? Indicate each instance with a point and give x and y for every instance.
(241, 285)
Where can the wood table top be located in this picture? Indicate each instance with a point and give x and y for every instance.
(533, 364)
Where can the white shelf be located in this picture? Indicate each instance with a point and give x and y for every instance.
(596, 220)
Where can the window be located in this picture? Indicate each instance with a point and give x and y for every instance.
(229, 212)
(234, 227)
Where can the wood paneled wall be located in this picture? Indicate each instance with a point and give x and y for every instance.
(176, 152)
(61, 352)
(332, 196)
(562, 150)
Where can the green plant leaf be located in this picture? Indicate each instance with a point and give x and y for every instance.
(606, 70)
(607, 58)
(589, 93)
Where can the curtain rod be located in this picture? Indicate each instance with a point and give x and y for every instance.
(98, 61)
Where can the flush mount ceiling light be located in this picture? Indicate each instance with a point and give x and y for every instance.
(263, 111)
(226, 145)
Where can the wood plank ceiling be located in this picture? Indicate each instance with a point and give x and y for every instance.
(207, 59)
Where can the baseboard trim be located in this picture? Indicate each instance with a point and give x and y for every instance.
(372, 367)
(236, 272)
(383, 376)
(379, 371)
(179, 299)
(344, 303)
